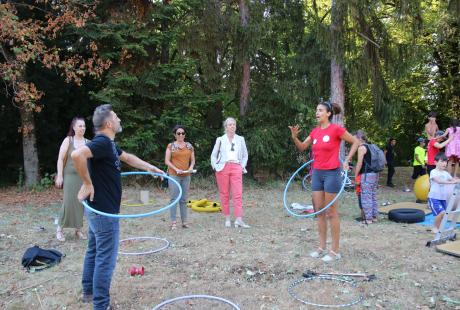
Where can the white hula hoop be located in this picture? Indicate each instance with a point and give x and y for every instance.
(167, 243)
(322, 277)
(170, 301)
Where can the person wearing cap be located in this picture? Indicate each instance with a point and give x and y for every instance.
(419, 159)
(434, 146)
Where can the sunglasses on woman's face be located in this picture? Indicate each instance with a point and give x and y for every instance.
(180, 133)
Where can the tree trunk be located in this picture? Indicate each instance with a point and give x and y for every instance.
(27, 129)
(166, 41)
(338, 13)
(29, 147)
(244, 91)
(246, 74)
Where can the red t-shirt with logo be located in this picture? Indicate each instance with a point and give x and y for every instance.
(431, 153)
(326, 146)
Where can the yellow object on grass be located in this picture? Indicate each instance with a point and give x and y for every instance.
(204, 205)
(422, 187)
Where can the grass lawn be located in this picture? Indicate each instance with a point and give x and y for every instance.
(252, 268)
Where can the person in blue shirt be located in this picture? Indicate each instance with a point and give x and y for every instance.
(99, 166)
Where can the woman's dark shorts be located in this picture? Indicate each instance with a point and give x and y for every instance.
(329, 181)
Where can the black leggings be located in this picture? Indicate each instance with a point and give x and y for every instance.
(418, 171)
(391, 172)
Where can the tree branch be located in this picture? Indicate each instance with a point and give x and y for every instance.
(368, 39)
(325, 15)
(30, 6)
(4, 53)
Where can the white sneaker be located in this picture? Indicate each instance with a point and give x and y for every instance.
(228, 223)
(332, 256)
(318, 253)
(240, 223)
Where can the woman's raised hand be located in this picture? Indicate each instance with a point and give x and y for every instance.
(294, 130)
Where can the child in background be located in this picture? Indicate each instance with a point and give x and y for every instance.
(358, 195)
(419, 159)
(437, 197)
(453, 148)
(434, 147)
(431, 127)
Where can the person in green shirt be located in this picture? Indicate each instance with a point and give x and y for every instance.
(419, 159)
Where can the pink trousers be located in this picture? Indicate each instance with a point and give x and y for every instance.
(231, 179)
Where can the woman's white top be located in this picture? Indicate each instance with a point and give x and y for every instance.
(225, 151)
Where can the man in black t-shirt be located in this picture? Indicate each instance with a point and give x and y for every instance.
(390, 157)
(98, 164)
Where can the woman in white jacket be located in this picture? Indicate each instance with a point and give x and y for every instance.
(228, 159)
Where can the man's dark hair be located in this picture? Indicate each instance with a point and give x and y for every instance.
(440, 157)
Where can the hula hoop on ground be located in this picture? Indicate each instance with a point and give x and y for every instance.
(170, 301)
(172, 204)
(167, 243)
(285, 202)
(299, 281)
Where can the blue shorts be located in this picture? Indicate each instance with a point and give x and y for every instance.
(437, 206)
(329, 181)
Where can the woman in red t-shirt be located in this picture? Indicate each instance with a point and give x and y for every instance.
(326, 179)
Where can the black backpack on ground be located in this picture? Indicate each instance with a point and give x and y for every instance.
(36, 258)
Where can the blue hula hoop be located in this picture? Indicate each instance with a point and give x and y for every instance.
(285, 202)
(172, 204)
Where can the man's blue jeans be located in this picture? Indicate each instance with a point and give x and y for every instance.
(100, 258)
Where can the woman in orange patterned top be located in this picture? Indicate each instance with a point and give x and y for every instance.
(180, 159)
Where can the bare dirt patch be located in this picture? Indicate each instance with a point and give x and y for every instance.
(15, 196)
(252, 268)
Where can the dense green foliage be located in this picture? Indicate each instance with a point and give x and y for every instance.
(180, 62)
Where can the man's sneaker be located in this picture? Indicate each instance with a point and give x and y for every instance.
(85, 298)
(332, 256)
(318, 253)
